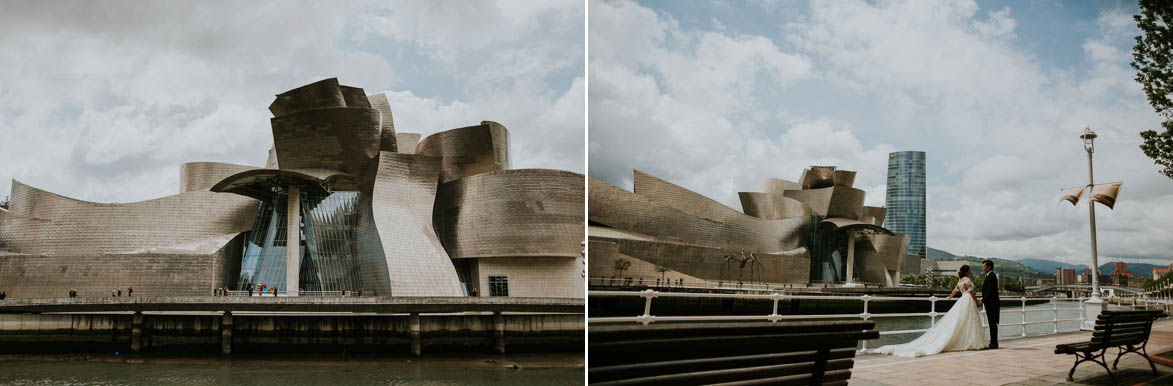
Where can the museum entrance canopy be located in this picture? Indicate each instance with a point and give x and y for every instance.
(263, 184)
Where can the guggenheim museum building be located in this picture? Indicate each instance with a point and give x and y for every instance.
(344, 203)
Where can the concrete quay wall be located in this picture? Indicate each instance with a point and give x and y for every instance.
(266, 333)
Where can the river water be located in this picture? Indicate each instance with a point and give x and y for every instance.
(1011, 313)
(283, 374)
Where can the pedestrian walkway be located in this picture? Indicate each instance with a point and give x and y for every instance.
(1024, 361)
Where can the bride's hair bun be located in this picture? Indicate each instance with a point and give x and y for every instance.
(963, 271)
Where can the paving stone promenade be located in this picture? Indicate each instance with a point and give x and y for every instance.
(296, 304)
(1025, 361)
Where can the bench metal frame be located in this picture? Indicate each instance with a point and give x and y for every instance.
(1101, 342)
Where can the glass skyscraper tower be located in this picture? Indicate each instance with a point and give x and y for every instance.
(906, 198)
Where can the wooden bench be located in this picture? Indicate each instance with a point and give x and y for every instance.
(1118, 329)
(727, 353)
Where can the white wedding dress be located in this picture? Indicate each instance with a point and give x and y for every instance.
(960, 329)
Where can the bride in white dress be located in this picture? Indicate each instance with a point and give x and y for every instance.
(960, 329)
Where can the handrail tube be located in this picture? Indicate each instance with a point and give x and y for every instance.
(649, 294)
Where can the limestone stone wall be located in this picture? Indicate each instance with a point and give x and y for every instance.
(534, 277)
(95, 275)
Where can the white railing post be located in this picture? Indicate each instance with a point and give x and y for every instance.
(1082, 315)
(774, 317)
(1055, 314)
(865, 315)
(647, 317)
(1024, 316)
(933, 311)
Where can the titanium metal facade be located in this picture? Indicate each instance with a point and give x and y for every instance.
(905, 199)
(344, 202)
(793, 232)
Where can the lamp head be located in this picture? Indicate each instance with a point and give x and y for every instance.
(1089, 137)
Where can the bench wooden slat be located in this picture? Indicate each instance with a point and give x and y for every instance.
(1128, 316)
(1122, 330)
(1101, 327)
(737, 352)
(838, 377)
(732, 374)
(636, 351)
(606, 373)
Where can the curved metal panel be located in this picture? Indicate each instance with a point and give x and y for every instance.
(879, 257)
(817, 178)
(407, 142)
(387, 136)
(261, 183)
(772, 206)
(707, 262)
(778, 185)
(468, 150)
(877, 214)
(399, 252)
(846, 202)
(332, 138)
(819, 200)
(621, 209)
(42, 222)
(512, 213)
(851, 224)
(355, 97)
(685, 200)
(321, 94)
(195, 176)
(844, 178)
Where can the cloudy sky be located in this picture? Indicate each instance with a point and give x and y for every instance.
(104, 100)
(717, 95)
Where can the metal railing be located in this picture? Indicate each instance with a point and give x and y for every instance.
(726, 285)
(776, 297)
(300, 293)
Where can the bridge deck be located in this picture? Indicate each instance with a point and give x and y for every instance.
(1024, 361)
(295, 304)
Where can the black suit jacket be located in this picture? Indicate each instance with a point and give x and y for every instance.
(990, 289)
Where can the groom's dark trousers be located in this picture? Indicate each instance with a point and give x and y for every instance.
(993, 305)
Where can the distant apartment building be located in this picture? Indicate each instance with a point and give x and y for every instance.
(905, 198)
(1064, 276)
(1158, 272)
(1121, 268)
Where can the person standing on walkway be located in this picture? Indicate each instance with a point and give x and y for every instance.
(991, 301)
(114, 293)
(129, 291)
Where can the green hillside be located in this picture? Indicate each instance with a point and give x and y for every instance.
(1007, 268)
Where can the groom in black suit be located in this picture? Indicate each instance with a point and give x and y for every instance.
(991, 301)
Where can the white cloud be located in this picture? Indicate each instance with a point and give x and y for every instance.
(998, 120)
(682, 106)
(103, 101)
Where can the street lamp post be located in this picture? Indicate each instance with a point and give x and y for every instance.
(1094, 304)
